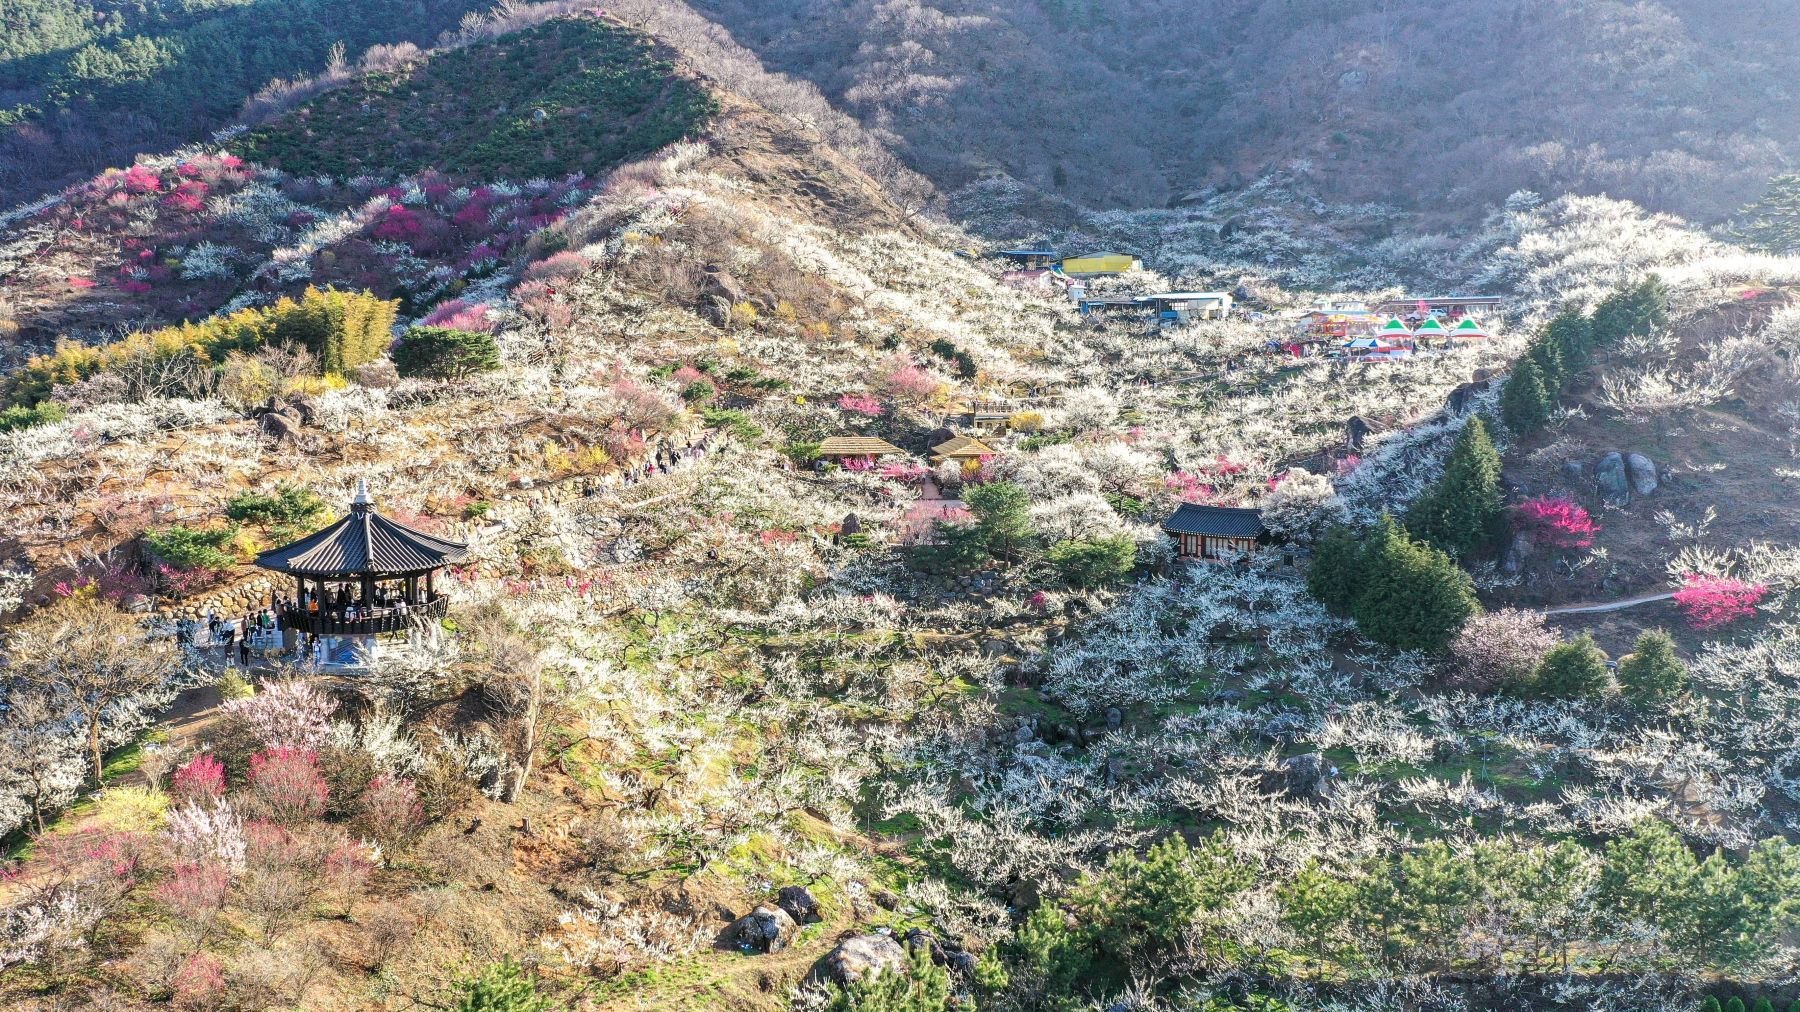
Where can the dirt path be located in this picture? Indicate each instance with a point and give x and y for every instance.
(1620, 605)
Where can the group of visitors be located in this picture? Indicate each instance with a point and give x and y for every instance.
(345, 605)
(665, 458)
(233, 634)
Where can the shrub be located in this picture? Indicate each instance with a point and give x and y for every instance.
(188, 548)
(1575, 669)
(286, 785)
(502, 987)
(1713, 601)
(199, 834)
(735, 422)
(1653, 672)
(1026, 421)
(1095, 562)
(1556, 521)
(699, 391)
(194, 894)
(289, 506)
(1499, 650)
(557, 266)
(199, 781)
(20, 417)
(445, 354)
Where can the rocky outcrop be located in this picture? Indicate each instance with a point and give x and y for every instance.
(1303, 776)
(859, 956)
(1356, 431)
(765, 929)
(1463, 397)
(1610, 474)
(798, 903)
(1643, 473)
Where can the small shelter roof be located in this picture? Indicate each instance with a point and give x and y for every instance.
(364, 542)
(857, 446)
(1431, 327)
(1215, 521)
(1394, 328)
(1468, 328)
(963, 446)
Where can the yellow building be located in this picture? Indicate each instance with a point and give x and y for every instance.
(1100, 263)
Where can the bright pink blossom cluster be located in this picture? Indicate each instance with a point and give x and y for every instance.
(1713, 601)
(861, 404)
(1557, 521)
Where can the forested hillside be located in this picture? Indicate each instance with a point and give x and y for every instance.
(85, 84)
(1678, 104)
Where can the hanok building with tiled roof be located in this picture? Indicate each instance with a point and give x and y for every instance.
(363, 575)
(1215, 533)
(841, 447)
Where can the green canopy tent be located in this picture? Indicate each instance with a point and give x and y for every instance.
(1468, 330)
(1432, 328)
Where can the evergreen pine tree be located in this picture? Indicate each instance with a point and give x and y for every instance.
(1571, 332)
(1735, 1004)
(1462, 511)
(1413, 596)
(1524, 403)
(1654, 672)
(1544, 354)
(1772, 223)
(1710, 1004)
(1762, 1005)
(1650, 305)
(1574, 669)
(1615, 317)
(502, 987)
(1337, 570)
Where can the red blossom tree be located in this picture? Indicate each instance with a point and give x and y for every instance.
(199, 781)
(1556, 521)
(199, 986)
(1713, 601)
(861, 404)
(390, 809)
(286, 785)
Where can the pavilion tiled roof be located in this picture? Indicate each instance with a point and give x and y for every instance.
(364, 542)
(857, 446)
(1215, 521)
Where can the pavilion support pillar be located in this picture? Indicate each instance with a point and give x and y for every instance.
(430, 591)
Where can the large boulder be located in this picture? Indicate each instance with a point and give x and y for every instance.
(1303, 776)
(1464, 396)
(283, 427)
(798, 903)
(1615, 483)
(859, 956)
(765, 929)
(1643, 473)
(1356, 430)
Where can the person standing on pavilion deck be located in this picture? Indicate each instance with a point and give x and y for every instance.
(346, 575)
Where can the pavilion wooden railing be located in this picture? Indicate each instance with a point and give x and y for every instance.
(385, 620)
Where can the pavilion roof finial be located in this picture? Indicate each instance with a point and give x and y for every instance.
(363, 498)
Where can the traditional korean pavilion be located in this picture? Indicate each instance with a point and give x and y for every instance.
(365, 574)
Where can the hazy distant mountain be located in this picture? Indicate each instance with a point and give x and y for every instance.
(1682, 105)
